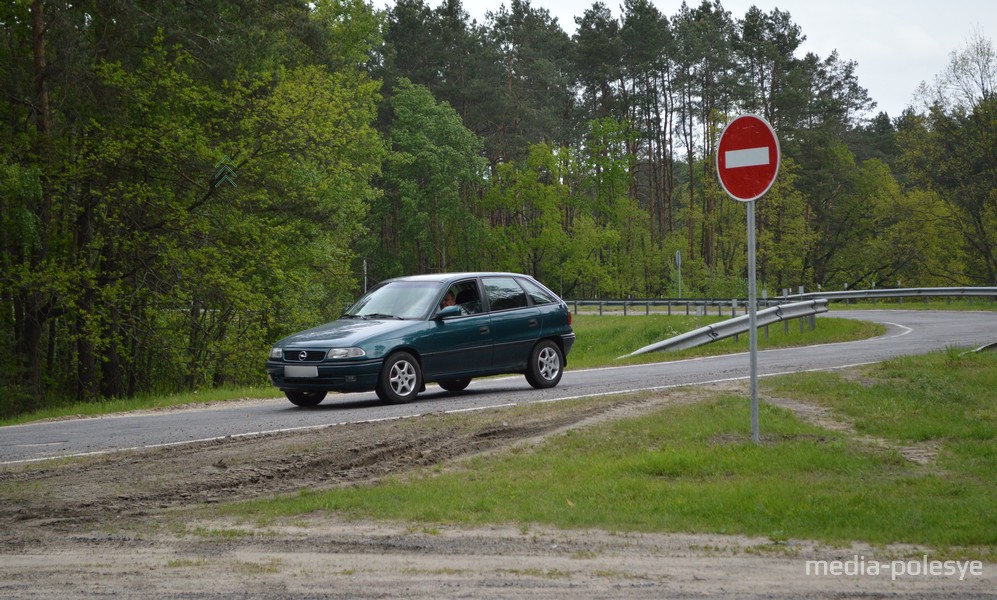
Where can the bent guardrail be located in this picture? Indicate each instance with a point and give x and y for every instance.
(736, 326)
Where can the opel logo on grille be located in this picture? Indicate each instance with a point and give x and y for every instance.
(302, 355)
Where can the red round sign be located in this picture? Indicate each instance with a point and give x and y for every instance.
(747, 158)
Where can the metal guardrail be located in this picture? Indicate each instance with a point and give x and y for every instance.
(736, 326)
(701, 306)
(940, 292)
(721, 305)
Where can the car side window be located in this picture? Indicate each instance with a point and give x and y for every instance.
(467, 297)
(537, 294)
(504, 293)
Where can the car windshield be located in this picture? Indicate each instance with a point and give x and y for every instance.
(396, 300)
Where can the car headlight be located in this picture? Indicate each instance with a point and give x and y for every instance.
(277, 353)
(346, 353)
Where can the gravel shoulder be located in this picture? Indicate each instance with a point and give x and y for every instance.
(140, 524)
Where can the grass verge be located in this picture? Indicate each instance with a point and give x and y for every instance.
(693, 468)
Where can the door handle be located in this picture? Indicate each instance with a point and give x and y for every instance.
(532, 323)
(483, 330)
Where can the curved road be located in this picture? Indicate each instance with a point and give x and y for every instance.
(908, 332)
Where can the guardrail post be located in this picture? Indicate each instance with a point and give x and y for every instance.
(733, 313)
(600, 308)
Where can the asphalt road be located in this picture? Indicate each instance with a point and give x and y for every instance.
(909, 332)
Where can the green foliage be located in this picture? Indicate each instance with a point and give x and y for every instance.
(130, 264)
(530, 204)
(426, 217)
(952, 155)
(838, 215)
(567, 218)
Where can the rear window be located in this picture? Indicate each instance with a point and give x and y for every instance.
(536, 293)
(504, 293)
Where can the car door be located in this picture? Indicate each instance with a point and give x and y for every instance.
(459, 346)
(515, 324)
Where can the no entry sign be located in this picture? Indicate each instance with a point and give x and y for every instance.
(747, 163)
(747, 158)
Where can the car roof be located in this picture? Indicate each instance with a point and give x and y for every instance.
(443, 277)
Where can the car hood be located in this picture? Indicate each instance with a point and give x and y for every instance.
(343, 333)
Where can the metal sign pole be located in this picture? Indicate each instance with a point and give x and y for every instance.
(678, 265)
(747, 164)
(752, 324)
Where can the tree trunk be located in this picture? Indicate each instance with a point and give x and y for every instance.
(35, 305)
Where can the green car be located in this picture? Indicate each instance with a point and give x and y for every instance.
(445, 328)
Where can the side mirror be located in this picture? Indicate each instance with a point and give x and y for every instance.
(449, 311)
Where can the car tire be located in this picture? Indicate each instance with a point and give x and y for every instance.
(400, 380)
(300, 398)
(455, 385)
(546, 365)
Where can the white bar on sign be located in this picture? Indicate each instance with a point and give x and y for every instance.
(749, 157)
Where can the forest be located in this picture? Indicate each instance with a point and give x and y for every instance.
(182, 184)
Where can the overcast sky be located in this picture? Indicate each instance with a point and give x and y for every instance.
(896, 43)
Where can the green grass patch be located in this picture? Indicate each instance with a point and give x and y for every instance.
(223, 534)
(186, 563)
(942, 396)
(694, 469)
(255, 569)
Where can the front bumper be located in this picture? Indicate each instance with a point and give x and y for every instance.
(352, 376)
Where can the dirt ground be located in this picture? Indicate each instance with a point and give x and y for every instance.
(140, 524)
